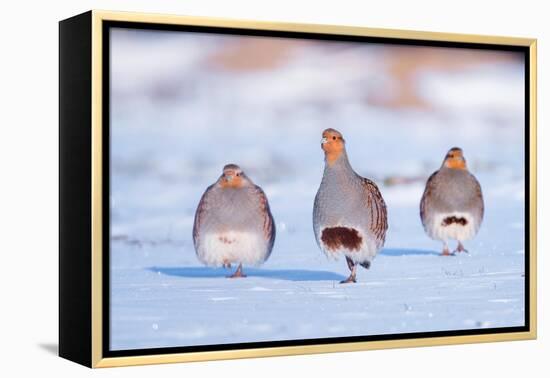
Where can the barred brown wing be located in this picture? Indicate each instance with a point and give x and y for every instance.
(379, 214)
(268, 222)
(426, 196)
(199, 213)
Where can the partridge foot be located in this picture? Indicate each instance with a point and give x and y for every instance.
(460, 248)
(238, 273)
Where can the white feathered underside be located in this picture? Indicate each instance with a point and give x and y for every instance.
(436, 229)
(216, 249)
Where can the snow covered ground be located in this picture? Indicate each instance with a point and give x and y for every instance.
(177, 118)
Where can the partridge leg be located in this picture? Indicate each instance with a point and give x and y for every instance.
(446, 251)
(226, 265)
(460, 248)
(353, 268)
(238, 273)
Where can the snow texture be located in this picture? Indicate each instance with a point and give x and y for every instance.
(177, 117)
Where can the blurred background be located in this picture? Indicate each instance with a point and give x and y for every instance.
(185, 104)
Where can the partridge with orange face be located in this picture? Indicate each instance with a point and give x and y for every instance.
(349, 213)
(233, 223)
(452, 205)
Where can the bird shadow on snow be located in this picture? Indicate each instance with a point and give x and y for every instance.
(407, 252)
(278, 274)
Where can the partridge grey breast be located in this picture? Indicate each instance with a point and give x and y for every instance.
(233, 224)
(347, 200)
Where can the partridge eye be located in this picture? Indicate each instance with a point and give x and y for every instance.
(333, 138)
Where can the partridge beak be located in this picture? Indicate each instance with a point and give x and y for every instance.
(228, 178)
(324, 140)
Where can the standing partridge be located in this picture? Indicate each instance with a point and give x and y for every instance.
(233, 223)
(452, 204)
(349, 213)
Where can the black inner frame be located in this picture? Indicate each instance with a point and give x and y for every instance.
(107, 25)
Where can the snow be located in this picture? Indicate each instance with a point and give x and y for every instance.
(177, 120)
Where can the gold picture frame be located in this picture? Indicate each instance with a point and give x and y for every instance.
(82, 274)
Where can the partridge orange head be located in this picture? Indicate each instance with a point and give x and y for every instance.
(333, 144)
(232, 177)
(455, 159)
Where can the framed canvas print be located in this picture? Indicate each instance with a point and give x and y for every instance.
(235, 189)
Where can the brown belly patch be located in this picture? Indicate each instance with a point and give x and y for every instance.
(454, 220)
(341, 237)
(226, 240)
